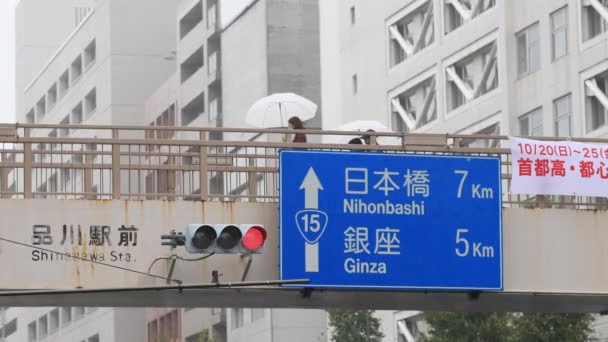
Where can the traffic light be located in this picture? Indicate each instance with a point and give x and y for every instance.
(225, 238)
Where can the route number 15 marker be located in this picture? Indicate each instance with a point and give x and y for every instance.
(311, 221)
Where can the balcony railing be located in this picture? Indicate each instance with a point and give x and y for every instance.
(118, 162)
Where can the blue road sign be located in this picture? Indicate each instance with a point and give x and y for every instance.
(390, 221)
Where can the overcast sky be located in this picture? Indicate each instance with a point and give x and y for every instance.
(230, 8)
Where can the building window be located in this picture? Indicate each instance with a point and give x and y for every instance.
(51, 96)
(90, 102)
(198, 337)
(53, 321)
(457, 10)
(77, 114)
(166, 328)
(43, 328)
(78, 312)
(31, 332)
(191, 19)
(212, 20)
(355, 84)
(90, 54)
(257, 314)
(531, 123)
(76, 69)
(464, 71)
(412, 327)
(192, 64)
(528, 50)
(414, 107)
(559, 33)
(80, 13)
(40, 108)
(411, 33)
(64, 132)
(214, 109)
(193, 110)
(214, 66)
(472, 76)
(238, 318)
(66, 315)
(63, 85)
(593, 23)
(563, 113)
(9, 328)
(353, 15)
(153, 331)
(30, 117)
(596, 101)
(166, 119)
(483, 143)
(94, 338)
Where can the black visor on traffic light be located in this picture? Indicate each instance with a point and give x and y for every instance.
(229, 237)
(204, 236)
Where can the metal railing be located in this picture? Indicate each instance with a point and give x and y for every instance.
(206, 164)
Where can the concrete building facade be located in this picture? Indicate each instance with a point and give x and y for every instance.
(199, 63)
(261, 325)
(272, 46)
(71, 324)
(40, 29)
(103, 70)
(188, 325)
(509, 67)
(222, 68)
(87, 62)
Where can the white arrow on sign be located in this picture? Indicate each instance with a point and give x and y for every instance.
(311, 186)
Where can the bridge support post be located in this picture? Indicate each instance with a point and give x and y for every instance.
(252, 181)
(203, 162)
(115, 166)
(27, 165)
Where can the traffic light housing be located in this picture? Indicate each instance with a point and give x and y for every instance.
(225, 238)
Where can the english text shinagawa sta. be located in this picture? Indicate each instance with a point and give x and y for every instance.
(358, 206)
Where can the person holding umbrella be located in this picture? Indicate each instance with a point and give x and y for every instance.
(296, 124)
(367, 138)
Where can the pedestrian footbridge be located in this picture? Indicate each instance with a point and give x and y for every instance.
(82, 210)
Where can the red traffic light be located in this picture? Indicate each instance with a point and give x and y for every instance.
(254, 238)
(224, 238)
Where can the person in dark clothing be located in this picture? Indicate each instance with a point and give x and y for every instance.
(356, 141)
(367, 138)
(296, 124)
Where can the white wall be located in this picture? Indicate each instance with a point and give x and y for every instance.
(40, 28)
(130, 63)
(330, 45)
(244, 64)
(139, 49)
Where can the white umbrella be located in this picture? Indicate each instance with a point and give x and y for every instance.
(363, 126)
(275, 110)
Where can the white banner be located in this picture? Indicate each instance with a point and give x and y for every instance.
(558, 168)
